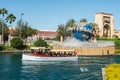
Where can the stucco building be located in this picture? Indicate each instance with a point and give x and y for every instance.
(117, 34)
(105, 22)
(44, 34)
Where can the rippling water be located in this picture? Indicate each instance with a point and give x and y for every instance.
(86, 68)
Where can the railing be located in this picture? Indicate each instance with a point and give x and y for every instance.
(103, 74)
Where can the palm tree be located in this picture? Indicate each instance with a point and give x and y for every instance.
(70, 26)
(95, 26)
(61, 32)
(3, 11)
(83, 22)
(95, 30)
(10, 18)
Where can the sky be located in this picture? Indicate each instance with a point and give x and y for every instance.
(48, 14)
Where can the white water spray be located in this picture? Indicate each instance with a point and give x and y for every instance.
(73, 42)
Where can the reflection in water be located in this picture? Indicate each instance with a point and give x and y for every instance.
(86, 68)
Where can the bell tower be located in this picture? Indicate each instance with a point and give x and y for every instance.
(105, 24)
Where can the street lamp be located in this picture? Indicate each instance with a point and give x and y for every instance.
(20, 24)
(2, 38)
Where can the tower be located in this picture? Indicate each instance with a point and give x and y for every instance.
(105, 24)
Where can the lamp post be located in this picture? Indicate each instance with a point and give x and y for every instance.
(20, 24)
(2, 32)
(1, 40)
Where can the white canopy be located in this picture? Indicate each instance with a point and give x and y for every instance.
(37, 48)
(62, 50)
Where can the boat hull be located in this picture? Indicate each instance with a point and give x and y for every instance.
(39, 58)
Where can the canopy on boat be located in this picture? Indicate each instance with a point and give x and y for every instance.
(62, 50)
(38, 48)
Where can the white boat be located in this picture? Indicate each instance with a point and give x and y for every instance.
(39, 58)
(44, 54)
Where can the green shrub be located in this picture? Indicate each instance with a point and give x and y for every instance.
(1, 48)
(17, 43)
(41, 43)
(117, 42)
(8, 48)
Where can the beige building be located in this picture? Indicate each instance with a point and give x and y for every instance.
(116, 34)
(44, 34)
(105, 23)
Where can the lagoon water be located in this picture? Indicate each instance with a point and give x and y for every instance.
(86, 68)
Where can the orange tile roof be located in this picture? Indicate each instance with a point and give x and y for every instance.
(47, 32)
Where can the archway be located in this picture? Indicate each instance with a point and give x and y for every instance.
(106, 31)
(105, 23)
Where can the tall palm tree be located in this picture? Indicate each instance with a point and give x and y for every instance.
(61, 32)
(3, 11)
(10, 18)
(95, 26)
(70, 26)
(95, 30)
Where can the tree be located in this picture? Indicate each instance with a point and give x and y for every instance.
(95, 30)
(83, 22)
(26, 30)
(41, 43)
(3, 11)
(61, 31)
(95, 26)
(17, 43)
(69, 27)
(10, 18)
(5, 30)
(1, 47)
(117, 43)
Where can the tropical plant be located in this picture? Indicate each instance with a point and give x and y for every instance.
(3, 11)
(83, 22)
(95, 30)
(95, 26)
(41, 43)
(17, 43)
(61, 32)
(1, 47)
(10, 18)
(69, 27)
(5, 37)
(70, 23)
(26, 30)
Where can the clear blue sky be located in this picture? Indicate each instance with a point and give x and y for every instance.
(48, 14)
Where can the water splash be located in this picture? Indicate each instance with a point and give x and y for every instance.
(73, 42)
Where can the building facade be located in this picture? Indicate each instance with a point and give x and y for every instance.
(117, 34)
(42, 34)
(46, 34)
(105, 23)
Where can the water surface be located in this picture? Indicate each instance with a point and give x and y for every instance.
(86, 68)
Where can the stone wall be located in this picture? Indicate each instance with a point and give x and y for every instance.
(109, 50)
